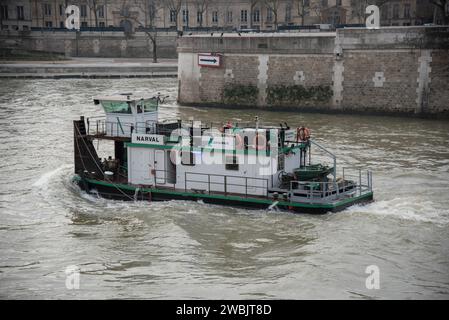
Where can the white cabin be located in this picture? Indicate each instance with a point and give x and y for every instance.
(239, 161)
(127, 114)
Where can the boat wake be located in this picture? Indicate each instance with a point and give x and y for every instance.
(44, 181)
(405, 209)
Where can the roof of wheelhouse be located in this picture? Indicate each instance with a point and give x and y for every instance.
(123, 97)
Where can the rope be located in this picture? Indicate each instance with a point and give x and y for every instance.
(101, 170)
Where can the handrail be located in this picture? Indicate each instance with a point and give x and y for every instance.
(225, 182)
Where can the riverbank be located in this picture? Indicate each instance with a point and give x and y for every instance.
(180, 250)
(89, 68)
(392, 70)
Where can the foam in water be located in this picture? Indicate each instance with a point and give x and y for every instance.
(404, 208)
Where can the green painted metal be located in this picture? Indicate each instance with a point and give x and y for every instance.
(120, 125)
(234, 198)
(209, 149)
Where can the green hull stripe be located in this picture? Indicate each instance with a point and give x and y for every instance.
(210, 149)
(236, 198)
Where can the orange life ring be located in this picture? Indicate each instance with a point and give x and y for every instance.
(302, 134)
(228, 125)
(257, 142)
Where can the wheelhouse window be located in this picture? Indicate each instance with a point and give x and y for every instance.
(116, 107)
(148, 105)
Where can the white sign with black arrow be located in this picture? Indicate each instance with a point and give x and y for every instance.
(208, 60)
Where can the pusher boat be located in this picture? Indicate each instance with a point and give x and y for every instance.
(237, 164)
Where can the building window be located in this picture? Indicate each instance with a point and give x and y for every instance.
(231, 163)
(48, 24)
(100, 11)
(185, 16)
(61, 10)
(324, 3)
(101, 24)
(4, 12)
(47, 9)
(199, 17)
(256, 15)
(306, 3)
(396, 11)
(244, 15)
(288, 13)
(407, 10)
(83, 11)
(84, 24)
(269, 14)
(214, 16)
(173, 16)
(61, 25)
(187, 158)
(229, 17)
(338, 3)
(20, 13)
(384, 12)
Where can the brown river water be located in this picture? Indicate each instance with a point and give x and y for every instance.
(190, 250)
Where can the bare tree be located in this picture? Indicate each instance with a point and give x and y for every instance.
(358, 8)
(174, 6)
(251, 11)
(201, 7)
(150, 10)
(317, 8)
(94, 7)
(441, 6)
(273, 5)
(302, 7)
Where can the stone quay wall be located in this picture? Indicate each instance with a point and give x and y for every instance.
(395, 70)
(109, 44)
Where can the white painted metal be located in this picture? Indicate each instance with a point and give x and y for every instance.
(140, 165)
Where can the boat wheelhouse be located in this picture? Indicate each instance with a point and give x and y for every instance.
(239, 164)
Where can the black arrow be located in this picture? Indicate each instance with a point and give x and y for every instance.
(209, 60)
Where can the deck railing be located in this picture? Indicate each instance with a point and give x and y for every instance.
(352, 183)
(226, 184)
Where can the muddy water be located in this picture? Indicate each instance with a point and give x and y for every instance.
(192, 250)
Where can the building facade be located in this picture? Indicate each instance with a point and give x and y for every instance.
(199, 14)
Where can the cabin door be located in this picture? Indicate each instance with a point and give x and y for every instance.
(159, 167)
